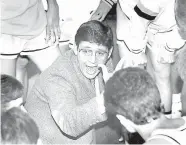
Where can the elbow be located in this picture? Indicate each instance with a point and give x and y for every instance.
(67, 128)
(70, 134)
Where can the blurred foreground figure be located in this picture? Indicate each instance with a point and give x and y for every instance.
(132, 95)
(18, 128)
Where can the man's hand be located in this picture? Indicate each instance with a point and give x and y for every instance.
(106, 74)
(99, 97)
(101, 12)
(53, 29)
(123, 63)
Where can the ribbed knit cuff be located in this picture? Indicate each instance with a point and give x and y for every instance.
(110, 3)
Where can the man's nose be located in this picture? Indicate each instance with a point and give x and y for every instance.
(93, 58)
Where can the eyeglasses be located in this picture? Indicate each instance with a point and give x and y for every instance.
(88, 53)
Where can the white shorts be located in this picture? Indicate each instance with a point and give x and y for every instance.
(157, 35)
(12, 46)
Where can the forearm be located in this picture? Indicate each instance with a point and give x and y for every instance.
(52, 3)
(74, 120)
(109, 2)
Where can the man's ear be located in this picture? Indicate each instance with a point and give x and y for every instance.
(110, 52)
(129, 125)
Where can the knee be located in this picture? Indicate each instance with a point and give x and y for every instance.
(162, 73)
(22, 62)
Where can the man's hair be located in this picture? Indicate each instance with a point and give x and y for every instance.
(95, 32)
(11, 89)
(180, 16)
(18, 128)
(131, 92)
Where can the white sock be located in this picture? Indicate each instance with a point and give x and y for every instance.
(176, 103)
(176, 97)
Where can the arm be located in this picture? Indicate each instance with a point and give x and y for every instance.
(103, 9)
(53, 30)
(109, 2)
(72, 118)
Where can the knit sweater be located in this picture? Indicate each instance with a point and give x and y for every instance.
(62, 103)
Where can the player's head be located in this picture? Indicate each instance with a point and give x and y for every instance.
(94, 43)
(132, 93)
(18, 128)
(12, 92)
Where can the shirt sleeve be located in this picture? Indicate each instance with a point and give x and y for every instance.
(148, 9)
(72, 118)
(110, 2)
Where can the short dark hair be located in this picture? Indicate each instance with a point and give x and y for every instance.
(131, 92)
(17, 127)
(95, 32)
(11, 89)
(180, 16)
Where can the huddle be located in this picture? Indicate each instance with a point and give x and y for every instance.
(130, 94)
(80, 87)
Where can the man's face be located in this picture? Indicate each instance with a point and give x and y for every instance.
(89, 56)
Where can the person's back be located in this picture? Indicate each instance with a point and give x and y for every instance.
(132, 95)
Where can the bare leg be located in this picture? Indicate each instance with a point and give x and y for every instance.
(122, 26)
(21, 74)
(149, 67)
(45, 58)
(162, 77)
(8, 66)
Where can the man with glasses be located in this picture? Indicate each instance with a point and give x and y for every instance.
(65, 101)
